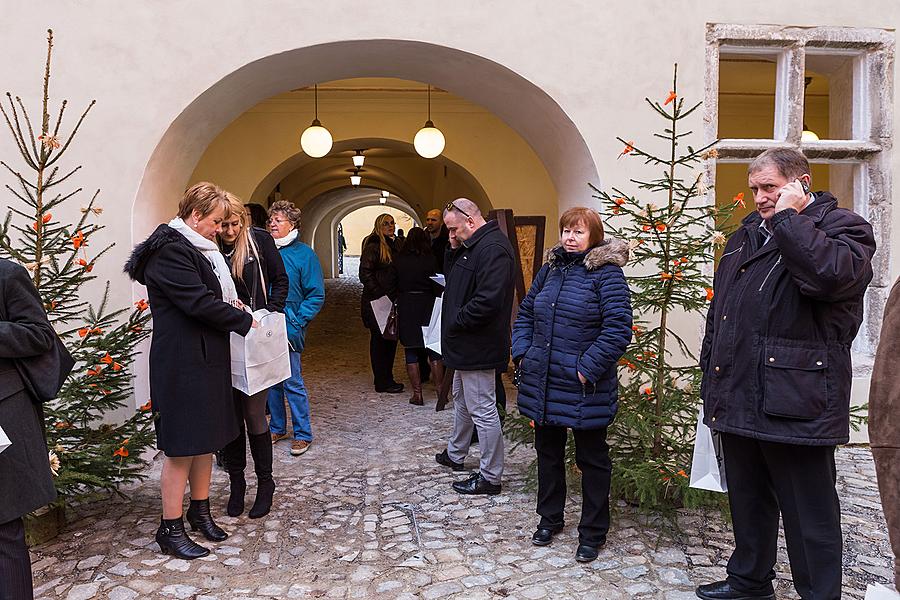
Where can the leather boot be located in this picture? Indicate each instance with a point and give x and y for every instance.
(261, 450)
(443, 390)
(415, 381)
(173, 539)
(199, 518)
(235, 458)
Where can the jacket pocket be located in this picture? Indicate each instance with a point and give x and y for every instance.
(795, 381)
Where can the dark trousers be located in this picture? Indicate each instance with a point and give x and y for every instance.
(15, 564)
(799, 481)
(381, 353)
(592, 457)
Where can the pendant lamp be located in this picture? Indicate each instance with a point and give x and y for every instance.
(429, 141)
(316, 140)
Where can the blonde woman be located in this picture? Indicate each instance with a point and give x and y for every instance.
(379, 278)
(195, 307)
(261, 282)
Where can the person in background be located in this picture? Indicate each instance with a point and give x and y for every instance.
(477, 305)
(195, 309)
(571, 330)
(261, 282)
(256, 215)
(884, 421)
(305, 297)
(26, 483)
(415, 265)
(438, 236)
(379, 278)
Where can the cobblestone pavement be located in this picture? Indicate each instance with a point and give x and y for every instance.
(367, 513)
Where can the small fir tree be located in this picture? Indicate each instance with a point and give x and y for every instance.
(87, 453)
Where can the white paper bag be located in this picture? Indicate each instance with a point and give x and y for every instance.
(431, 333)
(260, 359)
(4, 440)
(708, 464)
(880, 592)
(382, 309)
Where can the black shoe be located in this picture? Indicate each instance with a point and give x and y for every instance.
(200, 519)
(393, 388)
(722, 590)
(586, 553)
(544, 535)
(236, 498)
(443, 459)
(172, 539)
(261, 450)
(476, 484)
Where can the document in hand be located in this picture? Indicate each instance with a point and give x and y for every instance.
(439, 279)
(4, 440)
(260, 359)
(382, 308)
(432, 332)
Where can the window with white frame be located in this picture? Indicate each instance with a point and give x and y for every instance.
(826, 91)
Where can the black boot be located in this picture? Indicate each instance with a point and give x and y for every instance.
(200, 519)
(173, 539)
(261, 450)
(235, 455)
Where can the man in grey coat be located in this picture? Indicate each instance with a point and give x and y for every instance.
(25, 479)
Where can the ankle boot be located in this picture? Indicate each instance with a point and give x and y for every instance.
(199, 518)
(438, 373)
(235, 458)
(261, 450)
(173, 539)
(415, 381)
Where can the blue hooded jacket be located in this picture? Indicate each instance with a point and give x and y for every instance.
(306, 290)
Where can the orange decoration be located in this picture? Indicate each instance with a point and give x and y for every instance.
(145, 406)
(709, 294)
(88, 267)
(660, 227)
(94, 371)
(107, 359)
(83, 331)
(34, 225)
(63, 425)
(531, 424)
(46, 218)
(670, 98)
(665, 276)
(116, 367)
(122, 451)
(646, 228)
(629, 148)
(141, 305)
(78, 240)
(682, 473)
(739, 199)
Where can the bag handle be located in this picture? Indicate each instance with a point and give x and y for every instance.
(262, 278)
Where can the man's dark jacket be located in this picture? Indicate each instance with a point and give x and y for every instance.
(776, 354)
(477, 303)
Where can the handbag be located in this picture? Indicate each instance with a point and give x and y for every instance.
(260, 359)
(391, 327)
(708, 463)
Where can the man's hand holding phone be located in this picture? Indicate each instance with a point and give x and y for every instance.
(793, 195)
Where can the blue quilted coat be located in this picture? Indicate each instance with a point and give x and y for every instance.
(575, 318)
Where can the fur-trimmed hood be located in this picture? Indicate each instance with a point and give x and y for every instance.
(609, 251)
(163, 235)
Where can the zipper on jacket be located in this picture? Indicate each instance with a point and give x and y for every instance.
(777, 262)
(733, 251)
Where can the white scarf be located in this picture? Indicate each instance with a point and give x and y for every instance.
(286, 240)
(211, 252)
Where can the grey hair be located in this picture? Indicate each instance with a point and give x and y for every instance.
(790, 163)
(288, 209)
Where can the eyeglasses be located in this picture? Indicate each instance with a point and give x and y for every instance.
(450, 206)
(276, 220)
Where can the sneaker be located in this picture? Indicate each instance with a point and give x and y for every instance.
(277, 437)
(298, 447)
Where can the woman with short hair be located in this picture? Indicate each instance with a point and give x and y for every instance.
(261, 282)
(571, 330)
(195, 309)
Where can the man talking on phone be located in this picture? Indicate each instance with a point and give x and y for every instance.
(788, 301)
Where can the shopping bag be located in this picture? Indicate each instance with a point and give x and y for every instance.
(708, 464)
(881, 592)
(260, 359)
(4, 440)
(431, 333)
(391, 329)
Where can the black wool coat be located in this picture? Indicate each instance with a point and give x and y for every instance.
(477, 304)
(416, 294)
(378, 278)
(776, 353)
(190, 356)
(26, 482)
(274, 278)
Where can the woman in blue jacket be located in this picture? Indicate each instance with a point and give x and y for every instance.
(306, 295)
(570, 332)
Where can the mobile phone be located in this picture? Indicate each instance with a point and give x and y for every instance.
(804, 185)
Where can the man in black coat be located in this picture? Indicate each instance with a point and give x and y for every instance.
(788, 302)
(477, 305)
(439, 236)
(25, 478)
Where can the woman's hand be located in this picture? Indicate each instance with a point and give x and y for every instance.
(581, 377)
(255, 325)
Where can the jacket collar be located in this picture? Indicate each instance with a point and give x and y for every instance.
(482, 231)
(609, 251)
(816, 211)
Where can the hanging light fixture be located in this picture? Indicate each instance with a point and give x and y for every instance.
(385, 193)
(359, 159)
(382, 200)
(316, 140)
(429, 140)
(807, 135)
(356, 178)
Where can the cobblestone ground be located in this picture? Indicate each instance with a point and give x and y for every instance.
(367, 513)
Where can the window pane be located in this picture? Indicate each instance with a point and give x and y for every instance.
(829, 102)
(747, 95)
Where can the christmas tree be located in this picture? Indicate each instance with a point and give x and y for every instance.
(87, 453)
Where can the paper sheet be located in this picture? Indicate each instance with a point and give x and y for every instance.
(4, 440)
(382, 308)
(439, 279)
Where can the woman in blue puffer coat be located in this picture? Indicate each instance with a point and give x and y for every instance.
(570, 332)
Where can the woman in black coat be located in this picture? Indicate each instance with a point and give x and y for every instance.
(415, 264)
(379, 278)
(195, 308)
(261, 282)
(25, 480)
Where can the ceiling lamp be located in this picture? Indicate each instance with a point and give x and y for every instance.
(382, 200)
(807, 135)
(316, 140)
(385, 193)
(358, 159)
(429, 140)
(356, 178)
